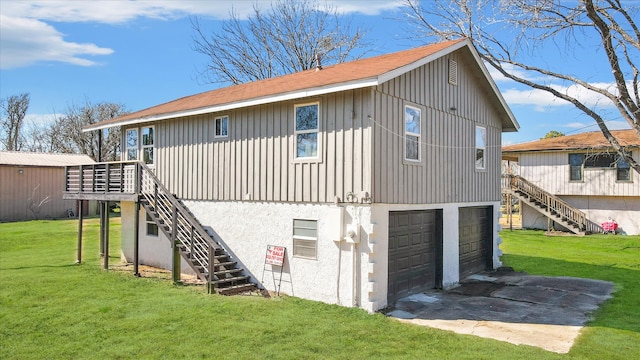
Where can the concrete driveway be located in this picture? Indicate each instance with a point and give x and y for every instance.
(547, 312)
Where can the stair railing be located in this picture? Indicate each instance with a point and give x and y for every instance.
(550, 202)
(177, 221)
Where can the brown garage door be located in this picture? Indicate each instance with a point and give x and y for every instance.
(476, 248)
(415, 252)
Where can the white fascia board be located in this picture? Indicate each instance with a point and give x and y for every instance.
(362, 83)
(493, 85)
(423, 61)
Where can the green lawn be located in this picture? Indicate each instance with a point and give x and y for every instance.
(53, 309)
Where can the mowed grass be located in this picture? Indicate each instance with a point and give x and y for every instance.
(615, 329)
(51, 308)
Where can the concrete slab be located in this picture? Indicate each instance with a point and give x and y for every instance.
(547, 312)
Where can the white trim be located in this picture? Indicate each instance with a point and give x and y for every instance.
(244, 103)
(326, 89)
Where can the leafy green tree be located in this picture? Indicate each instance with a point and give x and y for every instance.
(552, 134)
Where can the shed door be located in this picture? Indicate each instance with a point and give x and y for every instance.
(476, 250)
(415, 252)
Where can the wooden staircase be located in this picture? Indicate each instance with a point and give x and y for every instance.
(549, 205)
(134, 181)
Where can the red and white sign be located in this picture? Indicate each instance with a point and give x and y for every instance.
(275, 255)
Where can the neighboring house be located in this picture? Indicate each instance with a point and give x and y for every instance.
(32, 184)
(380, 177)
(584, 171)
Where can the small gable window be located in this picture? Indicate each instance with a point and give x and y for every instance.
(481, 146)
(412, 133)
(307, 127)
(222, 127)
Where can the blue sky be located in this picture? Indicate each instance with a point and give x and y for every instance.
(138, 53)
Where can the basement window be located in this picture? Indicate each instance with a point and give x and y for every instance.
(152, 228)
(305, 239)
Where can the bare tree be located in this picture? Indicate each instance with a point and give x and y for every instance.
(66, 133)
(289, 37)
(504, 30)
(14, 109)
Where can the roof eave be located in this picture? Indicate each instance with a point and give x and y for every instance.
(361, 83)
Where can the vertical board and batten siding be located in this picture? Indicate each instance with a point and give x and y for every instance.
(22, 191)
(446, 172)
(257, 160)
(550, 171)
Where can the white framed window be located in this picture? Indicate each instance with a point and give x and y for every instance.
(481, 146)
(307, 127)
(412, 133)
(221, 127)
(152, 228)
(131, 143)
(305, 239)
(140, 144)
(148, 144)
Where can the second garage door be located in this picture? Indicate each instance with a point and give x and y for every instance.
(415, 252)
(476, 248)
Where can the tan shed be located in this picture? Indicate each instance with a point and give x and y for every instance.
(31, 185)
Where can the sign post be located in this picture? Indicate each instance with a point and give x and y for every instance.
(275, 256)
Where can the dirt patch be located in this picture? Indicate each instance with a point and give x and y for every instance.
(157, 273)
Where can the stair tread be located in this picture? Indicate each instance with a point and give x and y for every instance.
(236, 289)
(229, 271)
(231, 279)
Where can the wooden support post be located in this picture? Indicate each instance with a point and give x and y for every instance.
(80, 218)
(101, 210)
(210, 267)
(136, 241)
(106, 235)
(175, 268)
(510, 211)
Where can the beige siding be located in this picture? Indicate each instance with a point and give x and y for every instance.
(447, 170)
(22, 188)
(550, 171)
(256, 161)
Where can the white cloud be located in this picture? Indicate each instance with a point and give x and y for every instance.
(115, 12)
(26, 41)
(28, 37)
(542, 100)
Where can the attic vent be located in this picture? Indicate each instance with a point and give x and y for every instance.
(453, 72)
